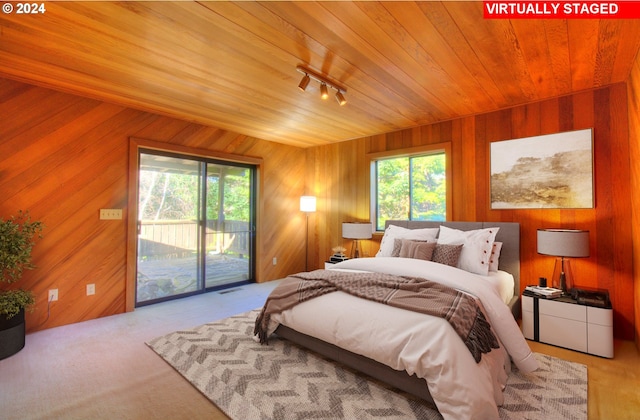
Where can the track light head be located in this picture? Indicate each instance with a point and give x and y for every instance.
(340, 98)
(324, 92)
(304, 82)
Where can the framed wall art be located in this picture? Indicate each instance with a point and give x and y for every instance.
(550, 171)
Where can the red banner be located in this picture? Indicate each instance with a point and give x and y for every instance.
(561, 10)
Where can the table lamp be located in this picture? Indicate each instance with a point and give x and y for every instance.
(356, 231)
(563, 243)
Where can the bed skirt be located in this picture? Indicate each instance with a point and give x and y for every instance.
(410, 384)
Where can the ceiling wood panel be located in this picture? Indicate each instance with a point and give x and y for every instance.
(232, 65)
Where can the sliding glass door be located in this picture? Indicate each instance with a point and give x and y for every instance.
(195, 225)
(228, 234)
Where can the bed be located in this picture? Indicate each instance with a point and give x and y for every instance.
(420, 354)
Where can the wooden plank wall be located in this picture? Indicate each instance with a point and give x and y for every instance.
(633, 93)
(64, 157)
(340, 177)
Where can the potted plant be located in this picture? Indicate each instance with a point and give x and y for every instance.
(17, 237)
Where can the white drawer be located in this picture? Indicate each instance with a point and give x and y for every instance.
(600, 316)
(563, 310)
(563, 332)
(527, 304)
(600, 340)
(527, 325)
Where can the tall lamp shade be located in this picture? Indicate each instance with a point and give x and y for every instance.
(308, 203)
(357, 231)
(563, 243)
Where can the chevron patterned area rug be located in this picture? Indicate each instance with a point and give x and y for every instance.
(247, 380)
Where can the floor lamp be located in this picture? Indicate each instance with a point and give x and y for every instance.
(307, 205)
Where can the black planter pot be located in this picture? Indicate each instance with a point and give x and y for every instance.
(12, 333)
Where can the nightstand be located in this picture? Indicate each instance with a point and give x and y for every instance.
(328, 265)
(563, 322)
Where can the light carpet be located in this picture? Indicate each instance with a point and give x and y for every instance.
(247, 380)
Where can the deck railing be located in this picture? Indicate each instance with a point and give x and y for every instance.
(169, 238)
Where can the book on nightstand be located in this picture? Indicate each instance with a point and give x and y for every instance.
(336, 258)
(543, 292)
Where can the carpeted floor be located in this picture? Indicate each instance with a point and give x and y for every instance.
(280, 381)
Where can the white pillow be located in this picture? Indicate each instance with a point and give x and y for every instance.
(392, 232)
(495, 256)
(476, 252)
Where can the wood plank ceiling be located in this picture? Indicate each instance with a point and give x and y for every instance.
(233, 65)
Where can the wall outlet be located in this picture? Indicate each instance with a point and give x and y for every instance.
(91, 289)
(53, 295)
(275, 260)
(110, 214)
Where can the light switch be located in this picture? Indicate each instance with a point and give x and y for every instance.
(110, 214)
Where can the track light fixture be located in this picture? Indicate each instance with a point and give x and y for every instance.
(325, 84)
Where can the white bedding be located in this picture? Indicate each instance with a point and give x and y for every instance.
(503, 282)
(417, 343)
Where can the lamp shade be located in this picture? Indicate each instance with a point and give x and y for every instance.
(308, 203)
(356, 230)
(563, 242)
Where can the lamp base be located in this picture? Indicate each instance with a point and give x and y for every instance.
(355, 248)
(563, 276)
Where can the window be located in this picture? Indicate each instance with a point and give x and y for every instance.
(411, 186)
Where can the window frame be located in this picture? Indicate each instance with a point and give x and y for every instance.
(425, 150)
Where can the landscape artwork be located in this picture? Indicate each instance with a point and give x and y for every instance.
(551, 171)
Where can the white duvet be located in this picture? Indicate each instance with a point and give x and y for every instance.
(418, 343)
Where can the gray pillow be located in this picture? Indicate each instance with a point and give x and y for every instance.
(447, 254)
(397, 245)
(417, 249)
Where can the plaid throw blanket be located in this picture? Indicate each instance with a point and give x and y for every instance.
(411, 293)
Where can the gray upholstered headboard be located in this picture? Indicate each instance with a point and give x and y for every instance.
(509, 235)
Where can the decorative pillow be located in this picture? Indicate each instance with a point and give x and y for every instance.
(392, 232)
(495, 256)
(476, 252)
(447, 254)
(397, 245)
(416, 249)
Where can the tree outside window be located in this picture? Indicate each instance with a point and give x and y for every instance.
(411, 188)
